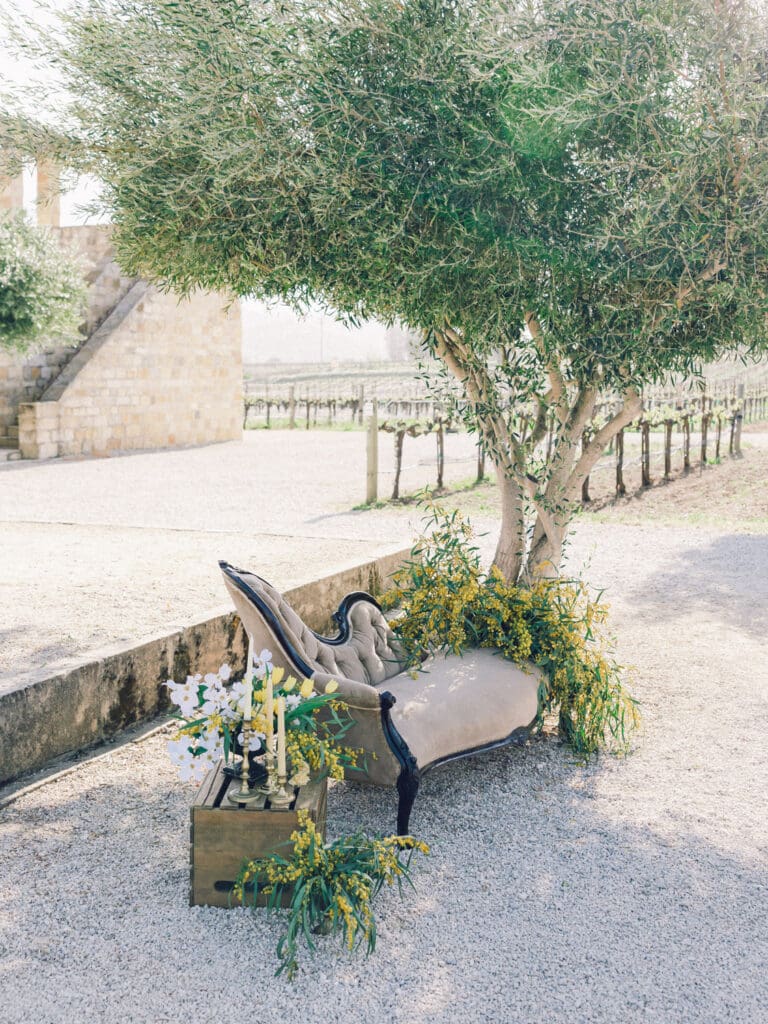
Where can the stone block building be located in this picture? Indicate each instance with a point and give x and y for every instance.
(149, 370)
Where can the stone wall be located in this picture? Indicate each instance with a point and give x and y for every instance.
(24, 379)
(147, 371)
(159, 372)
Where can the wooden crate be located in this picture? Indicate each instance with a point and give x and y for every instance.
(223, 835)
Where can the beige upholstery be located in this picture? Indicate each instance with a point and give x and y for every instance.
(460, 703)
(370, 655)
(379, 766)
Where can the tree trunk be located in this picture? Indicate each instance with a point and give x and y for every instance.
(546, 554)
(509, 550)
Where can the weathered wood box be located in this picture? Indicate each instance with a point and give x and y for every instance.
(223, 835)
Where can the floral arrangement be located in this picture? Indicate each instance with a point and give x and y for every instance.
(448, 602)
(331, 886)
(212, 714)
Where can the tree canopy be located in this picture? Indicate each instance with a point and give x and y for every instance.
(564, 198)
(42, 293)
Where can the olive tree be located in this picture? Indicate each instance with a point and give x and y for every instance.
(42, 292)
(567, 200)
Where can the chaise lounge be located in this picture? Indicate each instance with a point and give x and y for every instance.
(458, 705)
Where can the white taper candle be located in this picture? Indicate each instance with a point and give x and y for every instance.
(281, 736)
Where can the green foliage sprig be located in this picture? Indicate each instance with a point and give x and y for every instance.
(450, 603)
(331, 886)
(42, 293)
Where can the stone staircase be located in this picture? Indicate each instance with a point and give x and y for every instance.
(43, 372)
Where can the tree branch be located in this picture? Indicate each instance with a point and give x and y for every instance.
(557, 385)
(632, 405)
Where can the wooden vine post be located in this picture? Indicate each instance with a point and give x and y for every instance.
(686, 443)
(621, 489)
(705, 417)
(731, 441)
(372, 457)
(668, 428)
(737, 433)
(645, 449)
(291, 407)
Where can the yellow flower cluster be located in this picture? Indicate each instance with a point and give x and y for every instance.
(320, 753)
(332, 885)
(449, 603)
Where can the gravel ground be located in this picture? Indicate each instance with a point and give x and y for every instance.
(625, 891)
(99, 551)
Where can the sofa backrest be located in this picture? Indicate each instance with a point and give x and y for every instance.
(366, 650)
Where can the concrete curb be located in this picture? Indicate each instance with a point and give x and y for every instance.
(44, 716)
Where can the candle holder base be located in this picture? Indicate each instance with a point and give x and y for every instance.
(281, 797)
(257, 773)
(238, 797)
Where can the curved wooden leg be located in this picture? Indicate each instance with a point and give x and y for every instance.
(407, 788)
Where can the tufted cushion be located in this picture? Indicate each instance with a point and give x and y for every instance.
(463, 702)
(370, 654)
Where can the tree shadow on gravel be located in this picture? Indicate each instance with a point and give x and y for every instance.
(727, 579)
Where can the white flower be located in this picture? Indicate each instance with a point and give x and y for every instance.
(232, 709)
(178, 749)
(182, 757)
(236, 692)
(212, 743)
(195, 769)
(215, 697)
(224, 673)
(262, 664)
(292, 701)
(254, 741)
(184, 695)
(204, 762)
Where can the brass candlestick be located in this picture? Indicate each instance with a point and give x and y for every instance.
(281, 797)
(270, 786)
(244, 794)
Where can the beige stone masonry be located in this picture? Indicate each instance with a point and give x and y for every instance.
(104, 401)
(154, 372)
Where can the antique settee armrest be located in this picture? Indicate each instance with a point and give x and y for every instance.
(360, 696)
(369, 710)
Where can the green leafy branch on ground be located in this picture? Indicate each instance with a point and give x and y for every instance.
(331, 886)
